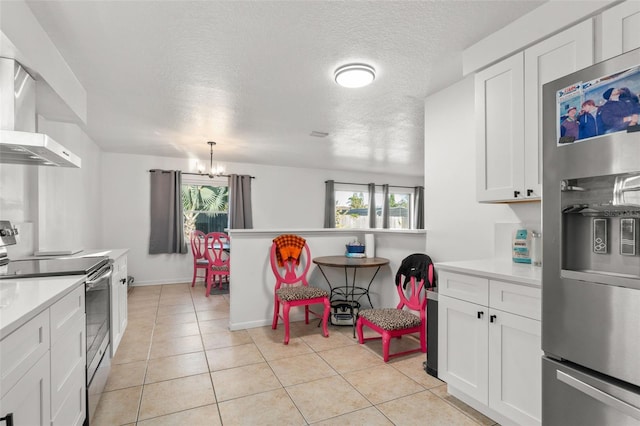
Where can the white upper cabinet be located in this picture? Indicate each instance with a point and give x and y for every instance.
(620, 29)
(499, 112)
(509, 113)
(555, 57)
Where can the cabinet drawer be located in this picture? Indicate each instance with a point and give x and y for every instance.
(464, 287)
(20, 350)
(516, 299)
(65, 313)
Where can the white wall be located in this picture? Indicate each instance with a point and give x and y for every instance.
(55, 208)
(460, 228)
(69, 199)
(18, 198)
(282, 198)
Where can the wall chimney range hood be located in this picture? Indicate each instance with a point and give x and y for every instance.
(19, 141)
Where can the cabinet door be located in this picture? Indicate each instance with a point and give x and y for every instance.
(29, 400)
(114, 326)
(462, 346)
(499, 114)
(123, 302)
(68, 364)
(546, 61)
(515, 367)
(20, 350)
(119, 307)
(620, 29)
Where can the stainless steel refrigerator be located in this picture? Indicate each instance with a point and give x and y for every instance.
(591, 248)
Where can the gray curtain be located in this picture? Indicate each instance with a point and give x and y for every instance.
(385, 206)
(329, 204)
(372, 205)
(240, 215)
(418, 208)
(166, 234)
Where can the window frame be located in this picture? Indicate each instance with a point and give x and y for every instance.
(196, 180)
(358, 188)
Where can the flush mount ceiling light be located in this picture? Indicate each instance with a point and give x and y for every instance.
(355, 75)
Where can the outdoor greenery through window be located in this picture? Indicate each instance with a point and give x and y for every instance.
(205, 204)
(352, 208)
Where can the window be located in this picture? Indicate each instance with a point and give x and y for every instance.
(399, 208)
(352, 207)
(205, 204)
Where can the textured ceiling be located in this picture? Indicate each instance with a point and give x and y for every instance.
(164, 77)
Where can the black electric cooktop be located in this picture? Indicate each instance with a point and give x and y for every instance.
(51, 267)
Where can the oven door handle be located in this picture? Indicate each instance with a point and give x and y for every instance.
(92, 283)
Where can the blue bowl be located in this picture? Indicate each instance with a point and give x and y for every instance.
(355, 249)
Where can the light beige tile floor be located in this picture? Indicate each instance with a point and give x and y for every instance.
(178, 364)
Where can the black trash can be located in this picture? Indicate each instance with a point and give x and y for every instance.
(432, 332)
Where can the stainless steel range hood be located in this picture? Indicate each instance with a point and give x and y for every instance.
(19, 141)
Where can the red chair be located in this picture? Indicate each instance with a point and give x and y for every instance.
(396, 322)
(217, 254)
(198, 250)
(292, 288)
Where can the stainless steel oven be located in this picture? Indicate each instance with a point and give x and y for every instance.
(97, 307)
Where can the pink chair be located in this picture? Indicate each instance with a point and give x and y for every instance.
(198, 251)
(396, 322)
(292, 289)
(217, 254)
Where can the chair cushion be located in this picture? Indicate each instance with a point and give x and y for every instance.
(220, 268)
(391, 318)
(300, 293)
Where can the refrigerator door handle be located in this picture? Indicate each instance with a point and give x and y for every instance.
(599, 395)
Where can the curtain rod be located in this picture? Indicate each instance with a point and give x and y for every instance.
(193, 174)
(366, 184)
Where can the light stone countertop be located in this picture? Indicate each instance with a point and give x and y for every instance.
(22, 299)
(500, 269)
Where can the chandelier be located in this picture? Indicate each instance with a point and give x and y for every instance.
(213, 171)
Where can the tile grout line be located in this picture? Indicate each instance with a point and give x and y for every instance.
(206, 358)
(313, 351)
(146, 368)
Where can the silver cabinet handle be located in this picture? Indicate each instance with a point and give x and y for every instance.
(599, 395)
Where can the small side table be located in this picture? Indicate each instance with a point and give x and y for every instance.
(349, 294)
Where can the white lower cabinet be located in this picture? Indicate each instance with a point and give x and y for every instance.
(492, 356)
(463, 341)
(28, 401)
(119, 307)
(68, 356)
(42, 366)
(515, 367)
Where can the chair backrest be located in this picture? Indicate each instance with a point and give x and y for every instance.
(217, 248)
(291, 272)
(198, 244)
(414, 296)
